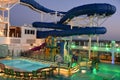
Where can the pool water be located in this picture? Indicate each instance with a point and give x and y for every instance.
(26, 65)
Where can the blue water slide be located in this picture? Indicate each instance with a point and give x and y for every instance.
(80, 31)
(89, 9)
(37, 6)
(53, 26)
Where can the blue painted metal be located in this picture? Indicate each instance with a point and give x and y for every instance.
(61, 48)
(89, 9)
(39, 7)
(53, 26)
(80, 31)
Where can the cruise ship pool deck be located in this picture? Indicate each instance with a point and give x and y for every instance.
(106, 71)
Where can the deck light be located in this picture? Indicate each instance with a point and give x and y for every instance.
(118, 49)
(72, 45)
(107, 49)
(95, 47)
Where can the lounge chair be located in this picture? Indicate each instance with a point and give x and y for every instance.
(6, 72)
(11, 73)
(2, 67)
(18, 75)
(36, 75)
(26, 75)
(43, 74)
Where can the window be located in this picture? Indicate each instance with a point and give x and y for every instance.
(29, 31)
(25, 31)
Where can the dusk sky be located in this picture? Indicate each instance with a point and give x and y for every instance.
(21, 15)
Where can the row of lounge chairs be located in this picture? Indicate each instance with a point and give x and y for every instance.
(39, 74)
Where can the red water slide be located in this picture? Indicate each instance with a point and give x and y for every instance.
(38, 47)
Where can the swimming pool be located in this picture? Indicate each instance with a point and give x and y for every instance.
(24, 64)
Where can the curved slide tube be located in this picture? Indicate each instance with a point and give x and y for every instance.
(89, 9)
(81, 10)
(37, 6)
(38, 47)
(53, 26)
(80, 31)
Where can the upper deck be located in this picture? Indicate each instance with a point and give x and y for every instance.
(7, 3)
